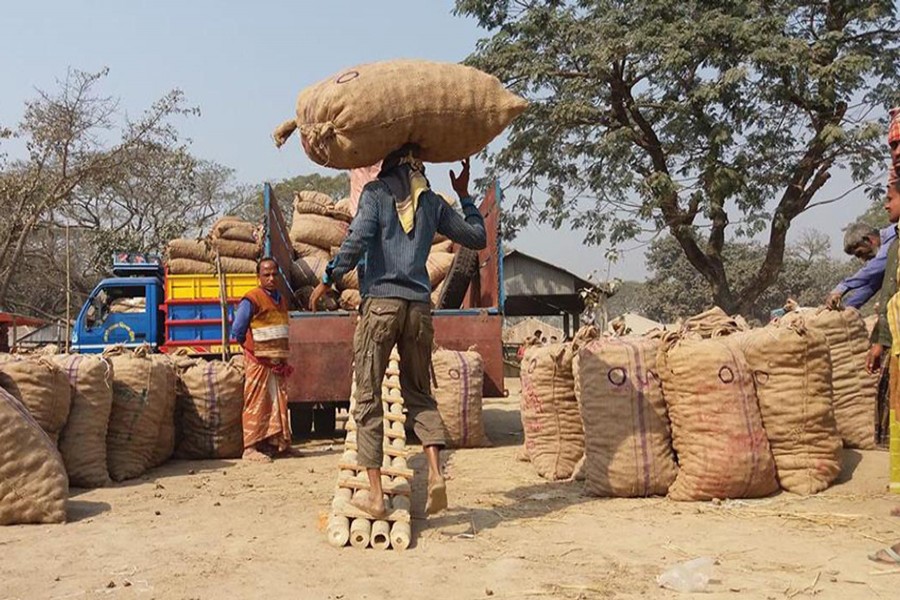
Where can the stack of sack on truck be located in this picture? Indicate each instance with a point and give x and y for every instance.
(318, 227)
(235, 242)
(83, 420)
(354, 119)
(710, 410)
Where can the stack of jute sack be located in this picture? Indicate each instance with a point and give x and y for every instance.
(745, 411)
(357, 117)
(82, 420)
(235, 242)
(318, 229)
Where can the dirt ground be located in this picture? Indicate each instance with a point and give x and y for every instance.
(227, 529)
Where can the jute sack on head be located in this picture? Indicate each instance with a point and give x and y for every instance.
(198, 250)
(317, 230)
(41, 386)
(854, 390)
(140, 388)
(82, 442)
(554, 436)
(792, 373)
(717, 430)
(165, 439)
(438, 265)
(356, 118)
(236, 249)
(33, 482)
(210, 402)
(456, 385)
(628, 441)
(233, 228)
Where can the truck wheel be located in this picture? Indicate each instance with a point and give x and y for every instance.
(463, 269)
(325, 420)
(301, 420)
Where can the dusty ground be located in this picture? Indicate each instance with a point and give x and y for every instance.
(225, 529)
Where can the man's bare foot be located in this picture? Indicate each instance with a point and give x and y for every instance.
(437, 496)
(253, 455)
(369, 504)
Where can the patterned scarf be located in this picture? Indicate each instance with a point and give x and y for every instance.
(894, 127)
(405, 176)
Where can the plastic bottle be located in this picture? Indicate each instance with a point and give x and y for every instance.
(690, 576)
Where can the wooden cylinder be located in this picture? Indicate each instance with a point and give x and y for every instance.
(385, 481)
(347, 474)
(399, 462)
(400, 503)
(341, 497)
(401, 534)
(349, 457)
(398, 443)
(351, 437)
(381, 535)
(394, 364)
(395, 408)
(338, 531)
(395, 393)
(386, 462)
(397, 427)
(360, 533)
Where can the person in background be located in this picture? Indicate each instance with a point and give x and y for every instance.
(871, 245)
(894, 139)
(261, 327)
(395, 226)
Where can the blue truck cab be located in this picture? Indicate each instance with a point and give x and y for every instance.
(124, 309)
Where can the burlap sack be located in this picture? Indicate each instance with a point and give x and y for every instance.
(33, 483)
(236, 249)
(554, 437)
(438, 265)
(344, 210)
(628, 440)
(457, 384)
(356, 118)
(318, 230)
(317, 203)
(308, 271)
(350, 281)
(855, 391)
(233, 228)
(714, 321)
(309, 251)
(210, 403)
(197, 250)
(237, 265)
(187, 266)
(792, 372)
(350, 300)
(41, 386)
(328, 302)
(165, 440)
(140, 388)
(717, 430)
(82, 442)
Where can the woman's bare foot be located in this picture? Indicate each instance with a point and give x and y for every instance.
(253, 455)
(369, 504)
(437, 496)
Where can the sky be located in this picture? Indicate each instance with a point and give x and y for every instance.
(243, 63)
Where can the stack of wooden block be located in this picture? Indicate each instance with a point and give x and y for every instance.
(350, 525)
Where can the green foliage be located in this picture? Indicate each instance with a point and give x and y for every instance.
(336, 186)
(675, 289)
(709, 120)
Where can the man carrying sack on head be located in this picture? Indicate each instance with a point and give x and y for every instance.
(261, 327)
(394, 228)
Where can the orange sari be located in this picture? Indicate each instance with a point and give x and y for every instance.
(265, 417)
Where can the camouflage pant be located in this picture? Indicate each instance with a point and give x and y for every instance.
(384, 323)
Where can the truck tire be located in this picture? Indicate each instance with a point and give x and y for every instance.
(301, 420)
(325, 420)
(455, 286)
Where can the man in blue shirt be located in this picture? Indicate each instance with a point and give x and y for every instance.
(397, 219)
(866, 243)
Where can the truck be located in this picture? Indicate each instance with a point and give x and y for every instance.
(144, 304)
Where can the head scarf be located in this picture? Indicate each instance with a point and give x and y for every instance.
(404, 175)
(894, 127)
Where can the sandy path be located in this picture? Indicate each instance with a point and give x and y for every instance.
(225, 529)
